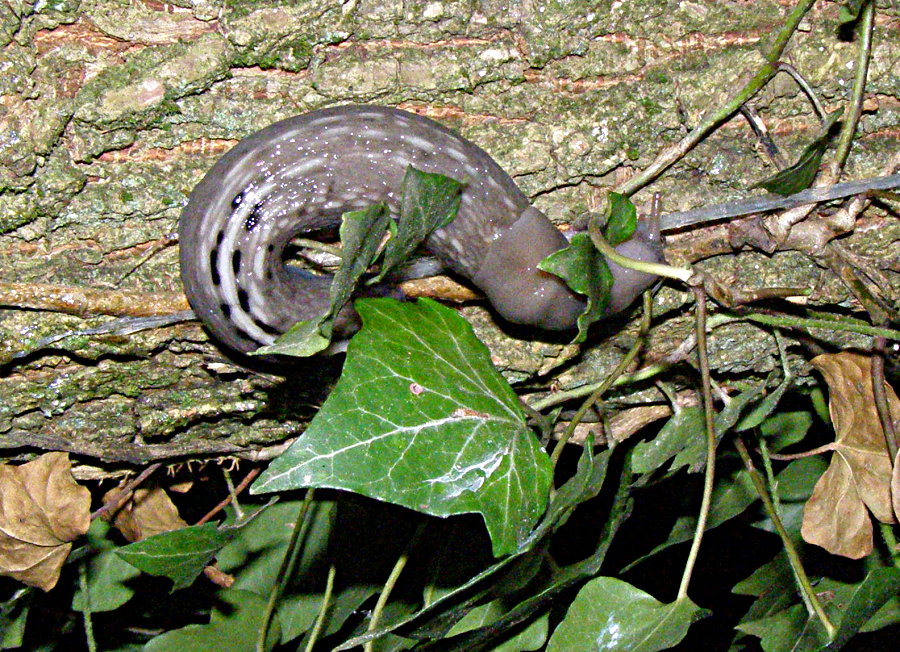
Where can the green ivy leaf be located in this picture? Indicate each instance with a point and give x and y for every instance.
(421, 418)
(428, 202)
(233, 628)
(879, 586)
(181, 555)
(609, 614)
(788, 629)
(621, 220)
(531, 637)
(584, 270)
(676, 435)
(107, 574)
(785, 428)
(13, 617)
(849, 11)
(361, 233)
(731, 496)
(800, 175)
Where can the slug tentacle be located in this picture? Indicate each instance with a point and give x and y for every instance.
(301, 174)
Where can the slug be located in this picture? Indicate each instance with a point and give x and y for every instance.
(299, 175)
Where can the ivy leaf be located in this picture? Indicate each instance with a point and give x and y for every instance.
(584, 268)
(879, 586)
(621, 220)
(677, 435)
(108, 576)
(609, 614)
(849, 11)
(800, 175)
(421, 418)
(361, 233)
(428, 202)
(181, 555)
(234, 624)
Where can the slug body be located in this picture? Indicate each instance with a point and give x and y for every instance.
(301, 174)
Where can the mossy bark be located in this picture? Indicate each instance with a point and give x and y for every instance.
(111, 111)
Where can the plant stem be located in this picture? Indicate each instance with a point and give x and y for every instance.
(809, 594)
(607, 383)
(673, 153)
(788, 321)
(288, 563)
(882, 406)
(86, 606)
(887, 532)
(709, 474)
(390, 584)
(851, 120)
(659, 269)
(326, 601)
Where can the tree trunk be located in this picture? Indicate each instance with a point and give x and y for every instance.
(112, 111)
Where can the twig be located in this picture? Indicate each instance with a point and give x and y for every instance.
(122, 495)
(601, 389)
(323, 609)
(881, 401)
(231, 495)
(809, 594)
(286, 570)
(389, 585)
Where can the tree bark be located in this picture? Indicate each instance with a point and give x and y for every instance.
(111, 111)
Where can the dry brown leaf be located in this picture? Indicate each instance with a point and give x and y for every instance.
(42, 509)
(148, 512)
(859, 475)
(182, 487)
(895, 486)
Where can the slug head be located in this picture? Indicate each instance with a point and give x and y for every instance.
(518, 290)
(645, 245)
(524, 294)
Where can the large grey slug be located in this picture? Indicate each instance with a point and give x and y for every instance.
(300, 174)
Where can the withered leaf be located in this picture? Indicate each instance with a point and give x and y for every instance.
(895, 486)
(859, 475)
(42, 509)
(148, 512)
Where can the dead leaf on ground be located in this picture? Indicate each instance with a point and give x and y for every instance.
(42, 509)
(148, 512)
(859, 476)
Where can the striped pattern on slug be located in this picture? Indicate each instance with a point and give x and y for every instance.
(300, 175)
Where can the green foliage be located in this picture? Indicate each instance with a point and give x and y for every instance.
(428, 202)
(609, 614)
(584, 269)
(421, 418)
(412, 422)
(109, 575)
(234, 624)
(800, 175)
(361, 233)
(180, 555)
